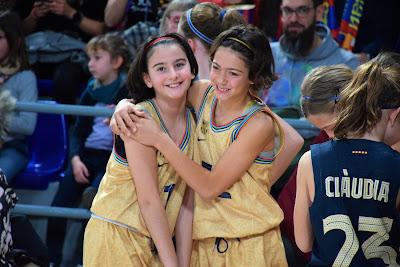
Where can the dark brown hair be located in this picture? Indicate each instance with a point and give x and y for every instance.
(11, 25)
(136, 85)
(253, 47)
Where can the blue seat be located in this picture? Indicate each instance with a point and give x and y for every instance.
(45, 87)
(48, 146)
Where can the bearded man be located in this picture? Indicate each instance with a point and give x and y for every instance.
(304, 45)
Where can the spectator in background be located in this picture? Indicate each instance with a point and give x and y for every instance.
(223, 2)
(6, 5)
(374, 32)
(303, 46)
(126, 13)
(16, 78)
(91, 141)
(268, 18)
(77, 19)
(320, 93)
(141, 31)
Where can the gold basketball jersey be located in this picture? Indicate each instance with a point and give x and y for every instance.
(116, 200)
(246, 208)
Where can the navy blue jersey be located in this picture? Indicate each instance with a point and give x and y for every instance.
(354, 216)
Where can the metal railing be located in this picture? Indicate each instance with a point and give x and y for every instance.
(47, 211)
(79, 110)
(299, 124)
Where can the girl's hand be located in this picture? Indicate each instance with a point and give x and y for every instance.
(122, 121)
(146, 131)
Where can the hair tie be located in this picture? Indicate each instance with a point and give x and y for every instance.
(240, 42)
(222, 14)
(157, 40)
(335, 98)
(196, 31)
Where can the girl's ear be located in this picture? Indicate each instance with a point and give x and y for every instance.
(117, 62)
(147, 80)
(192, 44)
(394, 117)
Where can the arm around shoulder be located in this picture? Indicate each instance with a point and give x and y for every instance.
(253, 138)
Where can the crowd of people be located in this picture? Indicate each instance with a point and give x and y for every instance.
(198, 166)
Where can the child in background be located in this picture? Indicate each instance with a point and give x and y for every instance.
(139, 199)
(236, 220)
(320, 94)
(91, 141)
(348, 190)
(15, 77)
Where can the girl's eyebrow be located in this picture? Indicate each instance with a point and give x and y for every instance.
(215, 63)
(163, 63)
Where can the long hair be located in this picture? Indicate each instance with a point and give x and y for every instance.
(374, 87)
(11, 25)
(136, 85)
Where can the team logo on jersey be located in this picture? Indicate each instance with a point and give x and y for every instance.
(204, 127)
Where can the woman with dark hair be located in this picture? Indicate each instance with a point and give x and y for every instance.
(16, 78)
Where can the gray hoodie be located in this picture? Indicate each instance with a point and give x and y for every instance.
(291, 70)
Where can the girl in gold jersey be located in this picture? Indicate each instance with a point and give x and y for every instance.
(236, 220)
(136, 208)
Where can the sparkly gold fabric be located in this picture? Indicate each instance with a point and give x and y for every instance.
(246, 209)
(117, 201)
(254, 251)
(109, 245)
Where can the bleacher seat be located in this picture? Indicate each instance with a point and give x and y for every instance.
(49, 152)
(46, 88)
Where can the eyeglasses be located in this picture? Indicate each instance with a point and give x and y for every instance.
(300, 11)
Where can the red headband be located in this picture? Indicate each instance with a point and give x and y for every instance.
(157, 40)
